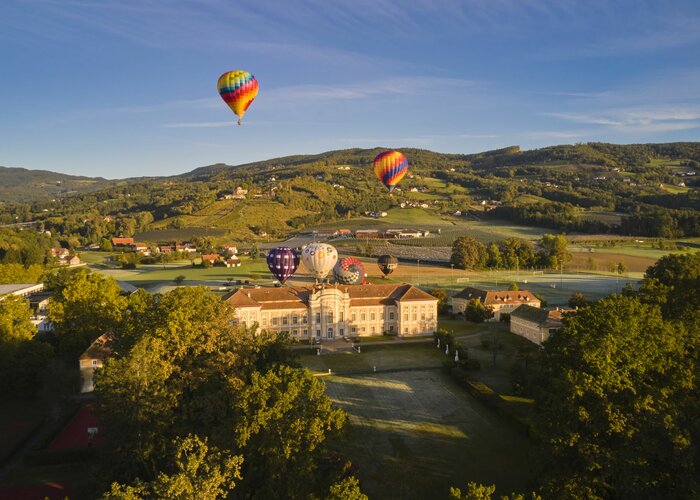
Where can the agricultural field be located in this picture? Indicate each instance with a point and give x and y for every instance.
(413, 432)
(183, 234)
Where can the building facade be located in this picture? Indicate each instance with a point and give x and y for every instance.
(500, 302)
(335, 311)
(536, 324)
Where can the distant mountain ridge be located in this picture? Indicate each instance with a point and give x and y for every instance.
(24, 185)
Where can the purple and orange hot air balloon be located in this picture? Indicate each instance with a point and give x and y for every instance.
(238, 88)
(283, 262)
(390, 167)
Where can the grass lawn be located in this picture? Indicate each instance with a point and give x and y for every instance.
(413, 434)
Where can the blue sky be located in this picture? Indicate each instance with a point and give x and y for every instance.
(128, 88)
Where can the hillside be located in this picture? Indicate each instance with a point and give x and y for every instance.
(23, 185)
(646, 190)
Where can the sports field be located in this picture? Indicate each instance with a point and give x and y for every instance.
(413, 433)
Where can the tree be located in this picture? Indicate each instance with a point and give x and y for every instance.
(84, 306)
(554, 250)
(495, 259)
(614, 404)
(255, 251)
(346, 489)
(198, 472)
(468, 253)
(621, 268)
(273, 409)
(477, 491)
(674, 283)
(443, 299)
(15, 324)
(476, 312)
(513, 287)
(577, 300)
(179, 279)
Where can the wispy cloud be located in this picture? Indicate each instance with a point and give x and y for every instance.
(198, 124)
(637, 120)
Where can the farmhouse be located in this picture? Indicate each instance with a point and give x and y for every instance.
(232, 262)
(536, 324)
(211, 257)
(20, 289)
(500, 302)
(122, 242)
(328, 312)
(93, 358)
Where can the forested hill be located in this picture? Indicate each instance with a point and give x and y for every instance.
(22, 185)
(646, 190)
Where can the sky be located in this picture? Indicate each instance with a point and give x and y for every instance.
(128, 88)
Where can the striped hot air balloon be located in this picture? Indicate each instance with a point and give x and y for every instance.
(387, 264)
(390, 167)
(238, 88)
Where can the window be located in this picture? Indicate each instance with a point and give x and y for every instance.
(422, 316)
(405, 316)
(330, 333)
(295, 332)
(318, 333)
(405, 329)
(430, 316)
(274, 321)
(318, 317)
(342, 332)
(391, 315)
(295, 319)
(304, 319)
(415, 317)
(353, 329)
(94, 362)
(374, 330)
(285, 320)
(342, 316)
(391, 328)
(354, 316)
(362, 316)
(372, 316)
(306, 332)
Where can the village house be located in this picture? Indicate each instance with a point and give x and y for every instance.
(20, 289)
(230, 250)
(232, 262)
(92, 359)
(328, 312)
(122, 242)
(500, 302)
(60, 252)
(212, 258)
(536, 324)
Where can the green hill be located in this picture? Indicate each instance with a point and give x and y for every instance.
(22, 185)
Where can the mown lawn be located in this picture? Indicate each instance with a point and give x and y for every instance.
(413, 433)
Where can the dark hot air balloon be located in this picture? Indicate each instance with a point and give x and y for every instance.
(387, 264)
(283, 262)
(349, 271)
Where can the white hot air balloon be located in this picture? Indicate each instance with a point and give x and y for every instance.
(319, 259)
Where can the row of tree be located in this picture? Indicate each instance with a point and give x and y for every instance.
(511, 253)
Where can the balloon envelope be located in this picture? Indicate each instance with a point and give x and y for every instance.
(349, 271)
(283, 262)
(319, 259)
(387, 264)
(390, 167)
(238, 88)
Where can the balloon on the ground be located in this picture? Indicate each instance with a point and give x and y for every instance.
(319, 259)
(390, 167)
(349, 271)
(238, 88)
(387, 264)
(283, 262)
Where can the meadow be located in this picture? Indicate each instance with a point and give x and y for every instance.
(412, 431)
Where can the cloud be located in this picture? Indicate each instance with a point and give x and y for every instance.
(198, 124)
(638, 120)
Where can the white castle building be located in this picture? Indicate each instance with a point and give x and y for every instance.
(334, 311)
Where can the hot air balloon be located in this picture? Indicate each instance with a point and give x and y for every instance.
(319, 259)
(349, 271)
(387, 264)
(238, 88)
(390, 167)
(283, 262)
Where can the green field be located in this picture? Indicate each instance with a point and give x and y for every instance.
(413, 433)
